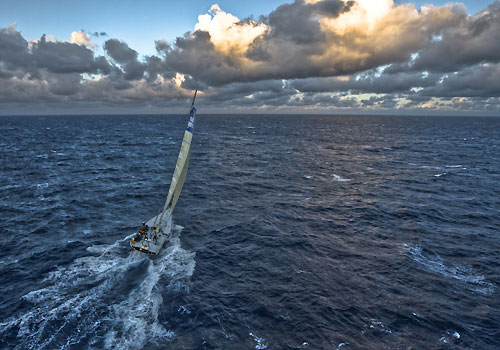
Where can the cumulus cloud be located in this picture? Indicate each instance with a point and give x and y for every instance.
(81, 38)
(66, 57)
(315, 55)
(309, 39)
(473, 40)
(122, 54)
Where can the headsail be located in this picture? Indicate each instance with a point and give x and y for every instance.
(180, 183)
(182, 163)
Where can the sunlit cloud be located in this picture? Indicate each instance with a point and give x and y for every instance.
(363, 16)
(313, 55)
(228, 34)
(81, 38)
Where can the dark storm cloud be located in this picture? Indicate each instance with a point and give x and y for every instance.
(43, 69)
(14, 53)
(121, 53)
(293, 34)
(63, 84)
(65, 57)
(195, 53)
(476, 81)
(298, 42)
(416, 100)
(56, 57)
(298, 56)
(386, 101)
(297, 22)
(17, 90)
(370, 81)
(474, 40)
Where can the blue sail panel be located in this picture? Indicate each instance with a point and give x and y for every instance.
(192, 115)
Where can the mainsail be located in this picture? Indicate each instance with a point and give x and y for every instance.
(182, 164)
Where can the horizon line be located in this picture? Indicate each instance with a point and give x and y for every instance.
(251, 114)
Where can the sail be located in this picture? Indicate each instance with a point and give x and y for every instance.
(182, 163)
(180, 183)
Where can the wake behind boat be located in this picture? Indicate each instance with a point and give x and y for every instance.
(156, 231)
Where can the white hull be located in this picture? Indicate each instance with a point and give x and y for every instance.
(152, 245)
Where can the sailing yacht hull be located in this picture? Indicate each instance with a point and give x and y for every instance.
(152, 245)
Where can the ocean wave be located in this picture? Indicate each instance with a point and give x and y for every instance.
(433, 262)
(109, 300)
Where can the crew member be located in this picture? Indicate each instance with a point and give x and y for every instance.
(144, 228)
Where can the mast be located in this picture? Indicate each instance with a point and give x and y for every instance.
(194, 98)
(182, 162)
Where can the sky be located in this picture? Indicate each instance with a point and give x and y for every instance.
(274, 56)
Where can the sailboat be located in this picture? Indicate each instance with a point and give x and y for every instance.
(156, 231)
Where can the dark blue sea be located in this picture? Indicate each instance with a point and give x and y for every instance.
(292, 232)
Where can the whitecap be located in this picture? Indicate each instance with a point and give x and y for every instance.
(433, 262)
(430, 167)
(8, 187)
(447, 336)
(441, 174)
(339, 178)
(8, 261)
(260, 341)
(183, 310)
(309, 177)
(378, 325)
(341, 345)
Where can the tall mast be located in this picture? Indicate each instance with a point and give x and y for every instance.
(182, 162)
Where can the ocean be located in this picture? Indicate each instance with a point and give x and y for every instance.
(292, 232)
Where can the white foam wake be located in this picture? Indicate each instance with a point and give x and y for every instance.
(109, 300)
(473, 281)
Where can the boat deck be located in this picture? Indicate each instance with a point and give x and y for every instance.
(149, 245)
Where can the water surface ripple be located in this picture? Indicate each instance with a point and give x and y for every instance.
(293, 232)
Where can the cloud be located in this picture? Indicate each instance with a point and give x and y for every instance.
(14, 52)
(313, 39)
(122, 54)
(66, 57)
(81, 38)
(475, 81)
(472, 40)
(314, 55)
